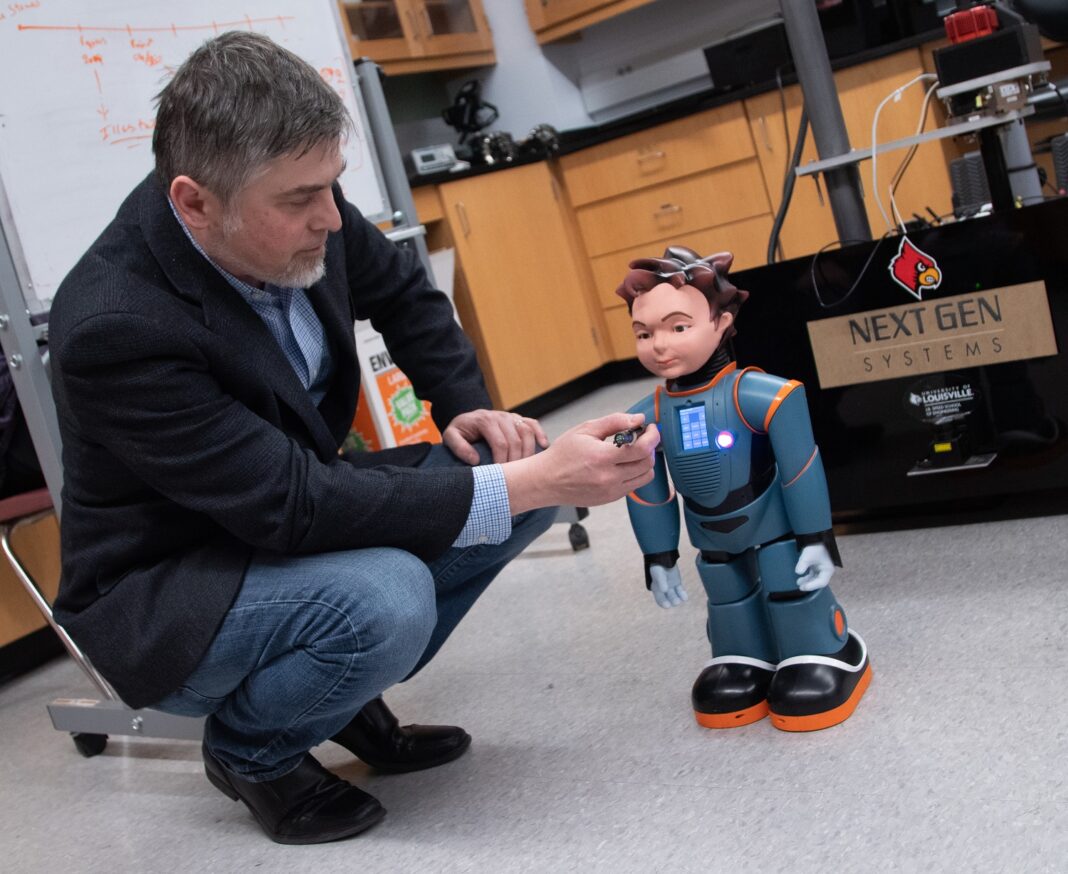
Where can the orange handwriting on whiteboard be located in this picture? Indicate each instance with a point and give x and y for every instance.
(147, 58)
(15, 8)
(92, 59)
(120, 132)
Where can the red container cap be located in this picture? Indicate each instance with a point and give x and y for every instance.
(971, 24)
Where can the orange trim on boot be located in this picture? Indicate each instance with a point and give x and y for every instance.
(816, 721)
(735, 719)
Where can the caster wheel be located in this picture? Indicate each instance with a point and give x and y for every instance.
(89, 745)
(578, 537)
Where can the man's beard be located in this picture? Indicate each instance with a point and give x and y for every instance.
(301, 272)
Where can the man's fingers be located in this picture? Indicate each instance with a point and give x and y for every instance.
(608, 425)
(459, 446)
(498, 440)
(527, 438)
(539, 433)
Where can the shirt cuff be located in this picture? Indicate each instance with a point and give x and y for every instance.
(490, 519)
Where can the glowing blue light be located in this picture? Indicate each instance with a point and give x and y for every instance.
(724, 439)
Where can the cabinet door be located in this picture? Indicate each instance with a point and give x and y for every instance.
(534, 331)
(452, 26)
(545, 13)
(38, 547)
(380, 29)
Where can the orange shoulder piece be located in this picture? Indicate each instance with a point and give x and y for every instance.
(738, 406)
(781, 395)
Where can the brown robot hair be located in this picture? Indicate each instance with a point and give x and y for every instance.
(681, 266)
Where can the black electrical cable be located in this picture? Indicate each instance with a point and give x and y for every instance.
(863, 270)
(788, 185)
(785, 117)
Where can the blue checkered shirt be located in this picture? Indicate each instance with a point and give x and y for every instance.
(294, 324)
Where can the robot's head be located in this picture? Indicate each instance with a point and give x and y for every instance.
(681, 266)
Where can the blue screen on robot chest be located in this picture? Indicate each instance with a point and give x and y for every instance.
(693, 429)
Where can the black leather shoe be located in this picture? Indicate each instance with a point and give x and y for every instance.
(376, 737)
(309, 805)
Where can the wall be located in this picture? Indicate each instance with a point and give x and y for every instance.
(529, 85)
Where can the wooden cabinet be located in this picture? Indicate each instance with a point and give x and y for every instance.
(553, 19)
(37, 546)
(694, 182)
(414, 36)
(809, 222)
(524, 295)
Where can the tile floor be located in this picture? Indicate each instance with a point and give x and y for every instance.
(586, 757)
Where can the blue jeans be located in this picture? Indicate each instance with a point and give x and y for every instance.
(310, 639)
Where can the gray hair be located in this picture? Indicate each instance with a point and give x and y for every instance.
(239, 101)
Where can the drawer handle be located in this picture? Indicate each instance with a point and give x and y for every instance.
(658, 155)
(461, 211)
(666, 210)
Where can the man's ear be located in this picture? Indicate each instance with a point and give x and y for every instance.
(197, 206)
(724, 320)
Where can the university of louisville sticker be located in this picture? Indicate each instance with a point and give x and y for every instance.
(914, 270)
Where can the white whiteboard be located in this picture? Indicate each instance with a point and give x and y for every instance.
(77, 81)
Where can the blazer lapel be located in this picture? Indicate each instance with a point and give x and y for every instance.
(227, 314)
(330, 300)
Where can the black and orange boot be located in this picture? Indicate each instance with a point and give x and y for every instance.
(731, 691)
(811, 692)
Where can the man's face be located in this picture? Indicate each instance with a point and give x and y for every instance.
(276, 227)
(673, 331)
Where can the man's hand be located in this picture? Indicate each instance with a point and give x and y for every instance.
(510, 437)
(814, 568)
(581, 468)
(666, 585)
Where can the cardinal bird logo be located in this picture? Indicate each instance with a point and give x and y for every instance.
(914, 270)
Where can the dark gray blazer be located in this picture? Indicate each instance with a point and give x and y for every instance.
(189, 442)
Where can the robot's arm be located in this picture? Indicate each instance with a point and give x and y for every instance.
(654, 516)
(779, 408)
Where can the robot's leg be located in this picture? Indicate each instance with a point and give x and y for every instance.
(824, 668)
(732, 689)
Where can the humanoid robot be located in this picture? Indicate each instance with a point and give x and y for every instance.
(739, 449)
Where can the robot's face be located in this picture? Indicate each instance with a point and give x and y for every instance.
(673, 330)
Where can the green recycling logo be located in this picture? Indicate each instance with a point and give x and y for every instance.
(405, 408)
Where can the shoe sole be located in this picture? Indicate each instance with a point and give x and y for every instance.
(391, 768)
(734, 719)
(223, 785)
(834, 716)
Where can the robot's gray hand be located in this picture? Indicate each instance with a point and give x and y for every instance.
(666, 585)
